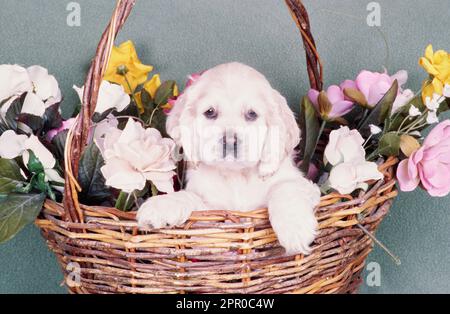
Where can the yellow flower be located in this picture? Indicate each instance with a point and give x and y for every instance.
(437, 64)
(151, 87)
(125, 56)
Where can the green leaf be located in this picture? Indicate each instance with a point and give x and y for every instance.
(146, 99)
(34, 165)
(10, 177)
(389, 144)
(16, 211)
(310, 128)
(382, 109)
(164, 92)
(90, 177)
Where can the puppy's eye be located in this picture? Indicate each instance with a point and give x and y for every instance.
(251, 115)
(211, 113)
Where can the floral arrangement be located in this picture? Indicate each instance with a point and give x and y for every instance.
(347, 131)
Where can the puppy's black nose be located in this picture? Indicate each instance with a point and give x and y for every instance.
(230, 145)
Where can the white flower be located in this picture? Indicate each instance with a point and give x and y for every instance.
(13, 145)
(433, 103)
(110, 96)
(374, 129)
(402, 99)
(42, 88)
(432, 117)
(344, 146)
(134, 156)
(414, 111)
(446, 91)
(14, 81)
(349, 176)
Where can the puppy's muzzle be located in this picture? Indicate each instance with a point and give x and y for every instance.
(230, 145)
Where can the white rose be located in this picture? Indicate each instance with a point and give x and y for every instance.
(134, 156)
(348, 176)
(110, 96)
(344, 145)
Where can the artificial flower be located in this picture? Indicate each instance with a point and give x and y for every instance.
(110, 96)
(14, 81)
(13, 145)
(403, 97)
(349, 176)
(432, 117)
(446, 91)
(340, 106)
(66, 124)
(374, 85)
(429, 166)
(125, 68)
(42, 88)
(135, 155)
(437, 64)
(344, 145)
(433, 103)
(374, 130)
(414, 111)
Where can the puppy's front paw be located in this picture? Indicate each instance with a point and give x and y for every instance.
(295, 229)
(162, 211)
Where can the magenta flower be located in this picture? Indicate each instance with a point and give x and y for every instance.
(429, 166)
(67, 124)
(340, 106)
(374, 85)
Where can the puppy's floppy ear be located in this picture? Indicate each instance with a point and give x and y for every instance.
(282, 137)
(180, 121)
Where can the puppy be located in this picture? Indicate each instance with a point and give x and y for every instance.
(238, 135)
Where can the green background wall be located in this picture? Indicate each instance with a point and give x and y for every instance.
(179, 37)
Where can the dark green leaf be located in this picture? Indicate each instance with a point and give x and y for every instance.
(30, 123)
(16, 211)
(52, 117)
(13, 112)
(389, 144)
(146, 99)
(59, 143)
(90, 177)
(310, 128)
(10, 177)
(164, 92)
(381, 110)
(159, 121)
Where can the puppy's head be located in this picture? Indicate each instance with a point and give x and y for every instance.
(231, 118)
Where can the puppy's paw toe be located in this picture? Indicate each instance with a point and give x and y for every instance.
(162, 212)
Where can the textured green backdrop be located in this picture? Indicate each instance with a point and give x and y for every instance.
(184, 36)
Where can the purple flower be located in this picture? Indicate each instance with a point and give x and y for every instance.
(340, 105)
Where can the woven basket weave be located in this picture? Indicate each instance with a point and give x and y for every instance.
(215, 251)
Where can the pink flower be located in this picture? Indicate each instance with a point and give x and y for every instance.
(429, 166)
(374, 85)
(340, 106)
(67, 124)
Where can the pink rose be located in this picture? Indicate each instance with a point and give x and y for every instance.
(429, 166)
(67, 124)
(375, 85)
(340, 105)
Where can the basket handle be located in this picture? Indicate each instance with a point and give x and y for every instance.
(77, 136)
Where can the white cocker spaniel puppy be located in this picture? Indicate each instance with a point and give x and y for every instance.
(238, 135)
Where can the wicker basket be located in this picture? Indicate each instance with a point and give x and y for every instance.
(215, 251)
